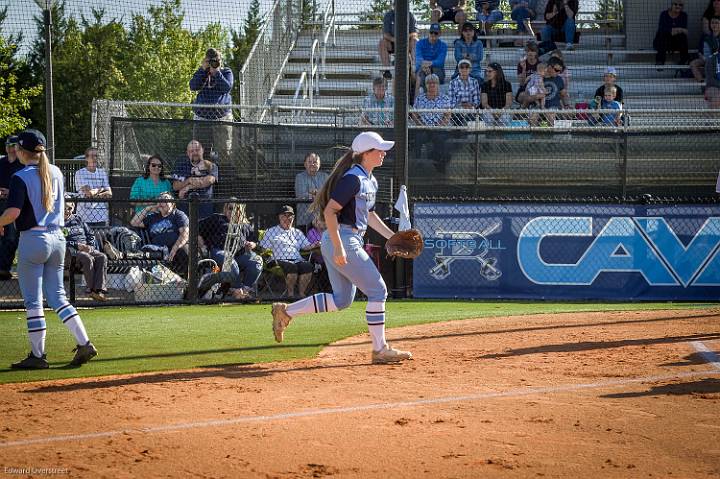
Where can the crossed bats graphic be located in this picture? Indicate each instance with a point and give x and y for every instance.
(488, 270)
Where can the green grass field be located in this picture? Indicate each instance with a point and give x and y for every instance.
(157, 338)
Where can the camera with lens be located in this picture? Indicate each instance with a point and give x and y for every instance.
(213, 58)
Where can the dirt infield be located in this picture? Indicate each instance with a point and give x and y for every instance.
(566, 396)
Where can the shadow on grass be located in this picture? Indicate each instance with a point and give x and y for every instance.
(704, 386)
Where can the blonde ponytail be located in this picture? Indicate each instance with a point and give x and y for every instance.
(341, 166)
(45, 181)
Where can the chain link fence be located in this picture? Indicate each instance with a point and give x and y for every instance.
(451, 151)
(164, 251)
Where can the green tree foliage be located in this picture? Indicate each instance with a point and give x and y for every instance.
(610, 10)
(162, 55)
(243, 41)
(14, 100)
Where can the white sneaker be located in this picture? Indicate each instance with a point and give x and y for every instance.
(569, 46)
(280, 320)
(390, 355)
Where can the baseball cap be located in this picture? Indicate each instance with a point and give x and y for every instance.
(467, 26)
(435, 27)
(286, 209)
(464, 61)
(32, 140)
(369, 140)
(11, 140)
(611, 71)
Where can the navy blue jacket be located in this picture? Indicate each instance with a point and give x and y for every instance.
(212, 90)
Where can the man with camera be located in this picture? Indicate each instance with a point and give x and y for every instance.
(560, 18)
(213, 82)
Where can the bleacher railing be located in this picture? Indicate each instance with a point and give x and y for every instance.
(268, 56)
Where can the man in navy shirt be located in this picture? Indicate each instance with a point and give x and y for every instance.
(195, 175)
(9, 164)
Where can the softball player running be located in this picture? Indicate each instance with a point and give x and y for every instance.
(36, 205)
(347, 201)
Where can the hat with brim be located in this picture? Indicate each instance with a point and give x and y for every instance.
(286, 210)
(32, 140)
(464, 62)
(11, 140)
(369, 140)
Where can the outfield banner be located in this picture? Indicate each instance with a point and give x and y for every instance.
(568, 251)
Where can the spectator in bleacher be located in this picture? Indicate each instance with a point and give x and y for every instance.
(469, 48)
(80, 243)
(672, 33)
(712, 10)
(607, 102)
(464, 91)
(526, 67)
(430, 56)
(386, 47)
(488, 14)
(286, 244)
(496, 95)
(535, 87)
(246, 266)
(566, 74)
(523, 12)
(194, 174)
(307, 184)
(213, 82)
(711, 51)
(555, 95)
(92, 182)
(560, 18)
(430, 98)
(697, 66)
(9, 164)
(168, 228)
(151, 183)
(609, 78)
(448, 11)
(379, 98)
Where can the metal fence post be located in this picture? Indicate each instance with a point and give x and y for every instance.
(193, 251)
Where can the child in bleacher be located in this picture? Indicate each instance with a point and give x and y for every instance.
(536, 84)
(607, 102)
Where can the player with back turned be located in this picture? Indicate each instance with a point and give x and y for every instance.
(347, 202)
(36, 205)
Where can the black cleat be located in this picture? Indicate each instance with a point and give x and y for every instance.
(31, 362)
(83, 354)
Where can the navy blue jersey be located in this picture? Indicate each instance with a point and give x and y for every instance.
(355, 192)
(8, 169)
(26, 194)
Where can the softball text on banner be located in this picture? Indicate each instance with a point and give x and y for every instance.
(568, 251)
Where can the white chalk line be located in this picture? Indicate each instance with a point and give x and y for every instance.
(709, 356)
(355, 409)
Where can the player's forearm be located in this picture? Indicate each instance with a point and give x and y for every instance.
(9, 216)
(379, 225)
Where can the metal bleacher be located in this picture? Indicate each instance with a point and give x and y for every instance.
(344, 75)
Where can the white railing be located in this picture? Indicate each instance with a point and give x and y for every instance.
(264, 65)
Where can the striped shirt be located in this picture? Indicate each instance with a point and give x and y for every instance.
(92, 212)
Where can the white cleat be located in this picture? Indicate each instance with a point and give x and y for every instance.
(389, 355)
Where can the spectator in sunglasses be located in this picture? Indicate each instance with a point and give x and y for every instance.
(151, 183)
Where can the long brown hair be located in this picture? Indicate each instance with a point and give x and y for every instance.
(341, 166)
(44, 174)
